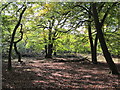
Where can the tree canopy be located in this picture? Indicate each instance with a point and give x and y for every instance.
(52, 27)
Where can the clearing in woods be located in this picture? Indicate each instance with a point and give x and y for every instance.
(59, 73)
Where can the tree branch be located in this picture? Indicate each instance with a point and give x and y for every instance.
(84, 9)
(21, 35)
(100, 8)
(4, 7)
(104, 17)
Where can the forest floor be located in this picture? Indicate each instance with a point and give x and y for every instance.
(58, 74)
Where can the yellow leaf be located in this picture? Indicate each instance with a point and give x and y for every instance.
(42, 12)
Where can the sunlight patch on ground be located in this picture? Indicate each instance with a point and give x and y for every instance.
(60, 75)
(87, 76)
(39, 81)
(56, 74)
(27, 70)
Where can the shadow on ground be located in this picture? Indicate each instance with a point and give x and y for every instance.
(46, 74)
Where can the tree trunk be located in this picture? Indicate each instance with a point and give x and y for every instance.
(12, 39)
(17, 52)
(15, 46)
(50, 45)
(50, 51)
(46, 51)
(94, 56)
(106, 53)
(93, 46)
(55, 53)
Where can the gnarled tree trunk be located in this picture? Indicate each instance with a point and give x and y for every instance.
(15, 46)
(12, 38)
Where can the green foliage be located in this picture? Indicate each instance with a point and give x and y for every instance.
(59, 21)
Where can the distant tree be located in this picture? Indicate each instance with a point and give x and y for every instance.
(57, 18)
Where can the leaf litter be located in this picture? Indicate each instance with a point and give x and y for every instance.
(48, 74)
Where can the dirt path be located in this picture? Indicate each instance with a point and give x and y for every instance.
(46, 74)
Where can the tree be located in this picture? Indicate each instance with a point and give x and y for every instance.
(87, 14)
(13, 36)
(98, 26)
(92, 45)
(15, 45)
(57, 18)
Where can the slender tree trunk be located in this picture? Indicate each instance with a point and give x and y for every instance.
(15, 46)
(94, 56)
(17, 52)
(93, 46)
(106, 53)
(46, 51)
(12, 39)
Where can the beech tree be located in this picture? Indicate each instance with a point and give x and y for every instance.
(58, 18)
(99, 24)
